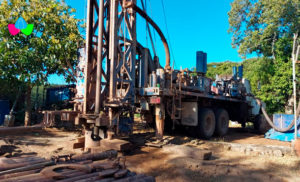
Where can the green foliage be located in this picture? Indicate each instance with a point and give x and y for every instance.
(8, 89)
(46, 51)
(275, 80)
(264, 26)
(38, 95)
(224, 68)
(50, 49)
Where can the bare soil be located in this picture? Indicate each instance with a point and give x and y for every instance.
(224, 165)
(46, 143)
(248, 136)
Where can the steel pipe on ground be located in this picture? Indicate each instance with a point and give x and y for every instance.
(96, 156)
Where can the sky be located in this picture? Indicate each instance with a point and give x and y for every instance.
(193, 25)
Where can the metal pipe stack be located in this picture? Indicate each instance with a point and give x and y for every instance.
(105, 166)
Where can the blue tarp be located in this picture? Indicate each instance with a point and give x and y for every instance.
(4, 110)
(286, 137)
(282, 121)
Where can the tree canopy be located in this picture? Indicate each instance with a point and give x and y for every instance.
(264, 26)
(50, 49)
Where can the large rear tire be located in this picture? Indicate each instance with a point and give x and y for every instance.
(260, 124)
(222, 122)
(206, 123)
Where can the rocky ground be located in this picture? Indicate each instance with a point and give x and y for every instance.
(240, 156)
(225, 164)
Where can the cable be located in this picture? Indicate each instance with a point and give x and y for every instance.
(165, 18)
(145, 9)
(158, 30)
(148, 29)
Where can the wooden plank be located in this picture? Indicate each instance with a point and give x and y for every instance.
(78, 145)
(80, 139)
(115, 144)
(157, 145)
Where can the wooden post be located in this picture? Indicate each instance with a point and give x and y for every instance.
(159, 120)
(294, 59)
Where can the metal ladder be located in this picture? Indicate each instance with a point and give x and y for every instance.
(177, 103)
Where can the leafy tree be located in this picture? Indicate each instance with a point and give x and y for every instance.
(264, 26)
(270, 82)
(221, 69)
(50, 49)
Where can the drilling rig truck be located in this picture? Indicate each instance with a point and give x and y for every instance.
(122, 78)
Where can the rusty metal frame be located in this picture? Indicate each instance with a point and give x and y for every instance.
(122, 53)
(112, 55)
(111, 50)
(96, 55)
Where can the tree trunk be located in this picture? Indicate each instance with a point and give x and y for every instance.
(28, 106)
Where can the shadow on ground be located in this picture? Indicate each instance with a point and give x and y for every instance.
(45, 142)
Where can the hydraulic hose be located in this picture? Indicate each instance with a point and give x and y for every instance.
(155, 26)
(271, 122)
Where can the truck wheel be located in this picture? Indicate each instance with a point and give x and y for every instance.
(206, 123)
(222, 122)
(260, 124)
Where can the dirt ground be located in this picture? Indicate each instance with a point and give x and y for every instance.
(46, 143)
(248, 136)
(224, 165)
